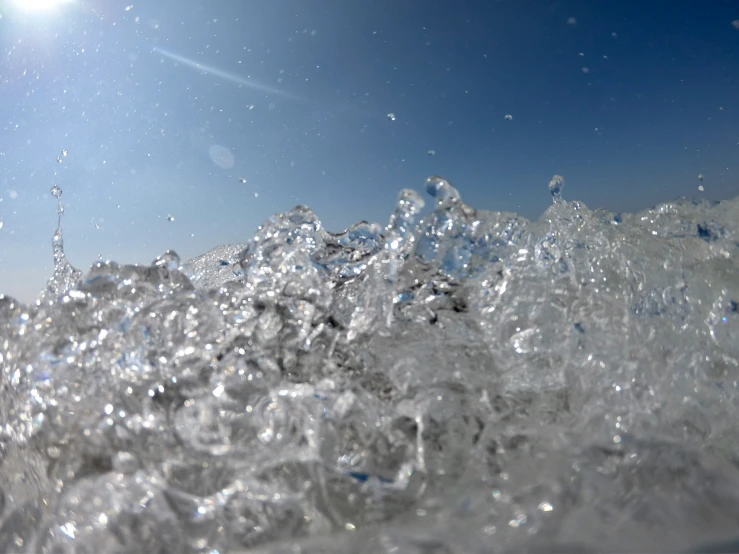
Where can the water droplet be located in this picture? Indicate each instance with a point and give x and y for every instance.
(242, 180)
(555, 187)
(700, 177)
(432, 152)
(571, 21)
(391, 116)
(700, 188)
(170, 218)
(508, 117)
(65, 152)
(56, 191)
(586, 70)
(735, 24)
(545, 507)
(1, 223)
(59, 159)
(256, 195)
(12, 195)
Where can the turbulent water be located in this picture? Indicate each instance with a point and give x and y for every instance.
(466, 382)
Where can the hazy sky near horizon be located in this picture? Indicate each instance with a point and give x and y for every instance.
(188, 123)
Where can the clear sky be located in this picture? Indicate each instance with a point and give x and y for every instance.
(164, 106)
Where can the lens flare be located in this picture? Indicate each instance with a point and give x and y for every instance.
(40, 5)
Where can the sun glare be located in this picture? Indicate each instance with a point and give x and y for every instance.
(39, 5)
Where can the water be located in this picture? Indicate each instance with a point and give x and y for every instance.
(468, 381)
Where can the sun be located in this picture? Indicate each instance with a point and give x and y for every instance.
(39, 5)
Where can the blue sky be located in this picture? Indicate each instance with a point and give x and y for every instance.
(630, 101)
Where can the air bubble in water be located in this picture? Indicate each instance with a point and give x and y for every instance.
(432, 152)
(391, 116)
(700, 188)
(242, 180)
(170, 218)
(65, 152)
(56, 191)
(508, 117)
(555, 187)
(59, 159)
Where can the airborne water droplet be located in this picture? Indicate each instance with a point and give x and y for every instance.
(56, 191)
(555, 187)
(65, 152)
(170, 218)
(508, 117)
(391, 116)
(242, 180)
(432, 152)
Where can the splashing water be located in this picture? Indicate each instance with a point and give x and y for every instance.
(555, 187)
(468, 382)
(65, 276)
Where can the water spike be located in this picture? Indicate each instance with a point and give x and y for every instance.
(555, 187)
(65, 276)
(439, 188)
(399, 241)
(169, 260)
(409, 205)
